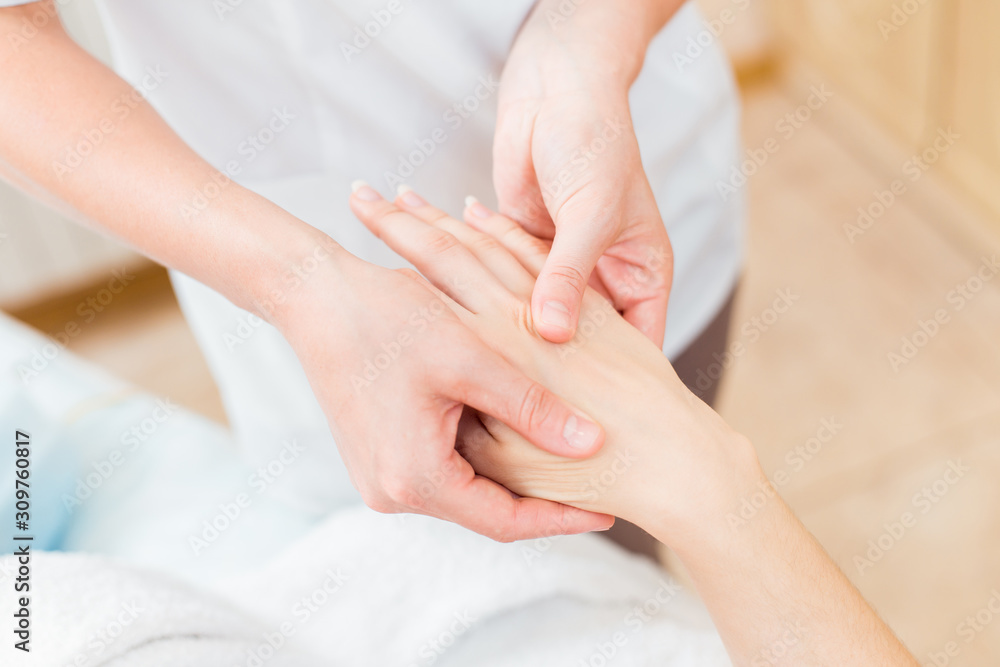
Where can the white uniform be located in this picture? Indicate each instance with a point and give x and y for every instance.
(296, 98)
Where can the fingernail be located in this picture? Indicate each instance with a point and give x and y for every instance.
(556, 314)
(580, 433)
(476, 208)
(409, 197)
(364, 191)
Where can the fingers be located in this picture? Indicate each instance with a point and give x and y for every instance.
(514, 178)
(563, 271)
(649, 317)
(639, 284)
(437, 254)
(559, 290)
(493, 255)
(451, 490)
(453, 305)
(542, 418)
(529, 250)
(489, 509)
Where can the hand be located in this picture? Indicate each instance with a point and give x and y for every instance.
(566, 166)
(668, 459)
(669, 464)
(393, 366)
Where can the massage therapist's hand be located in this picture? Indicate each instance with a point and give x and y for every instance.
(667, 456)
(393, 367)
(566, 161)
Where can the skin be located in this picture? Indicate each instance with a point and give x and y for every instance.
(397, 436)
(566, 161)
(669, 464)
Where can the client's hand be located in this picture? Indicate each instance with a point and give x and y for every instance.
(668, 459)
(669, 463)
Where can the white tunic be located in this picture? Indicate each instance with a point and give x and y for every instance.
(297, 98)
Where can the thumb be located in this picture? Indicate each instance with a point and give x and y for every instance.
(558, 293)
(541, 417)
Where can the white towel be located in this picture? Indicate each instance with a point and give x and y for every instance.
(358, 588)
(369, 589)
(411, 590)
(86, 611)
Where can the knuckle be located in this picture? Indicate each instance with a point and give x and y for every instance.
(378, 502)
(484, 244)
(409, 273)
(443, 243)
(522, 317)
(521, 242)
(536, 407)
(503, 533)
(503, 536)
(383, 216)
(536, 246)
(403, 493)
(433, 215)
(516, 236)
(571, 275)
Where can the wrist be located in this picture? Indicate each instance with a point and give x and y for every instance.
(543, 64)
(716, 506)
(604, 39)
(295, 260)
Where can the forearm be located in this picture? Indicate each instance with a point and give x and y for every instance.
(608, 37)
(139, 183)
(776, 597)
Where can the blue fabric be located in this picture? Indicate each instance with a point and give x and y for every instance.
(52, 472)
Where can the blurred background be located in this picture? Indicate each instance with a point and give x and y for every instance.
(872, 133)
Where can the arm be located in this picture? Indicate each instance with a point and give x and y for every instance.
(136, 183)
(767, 582)
(775, 595)
(565, 149)
(397, 434)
